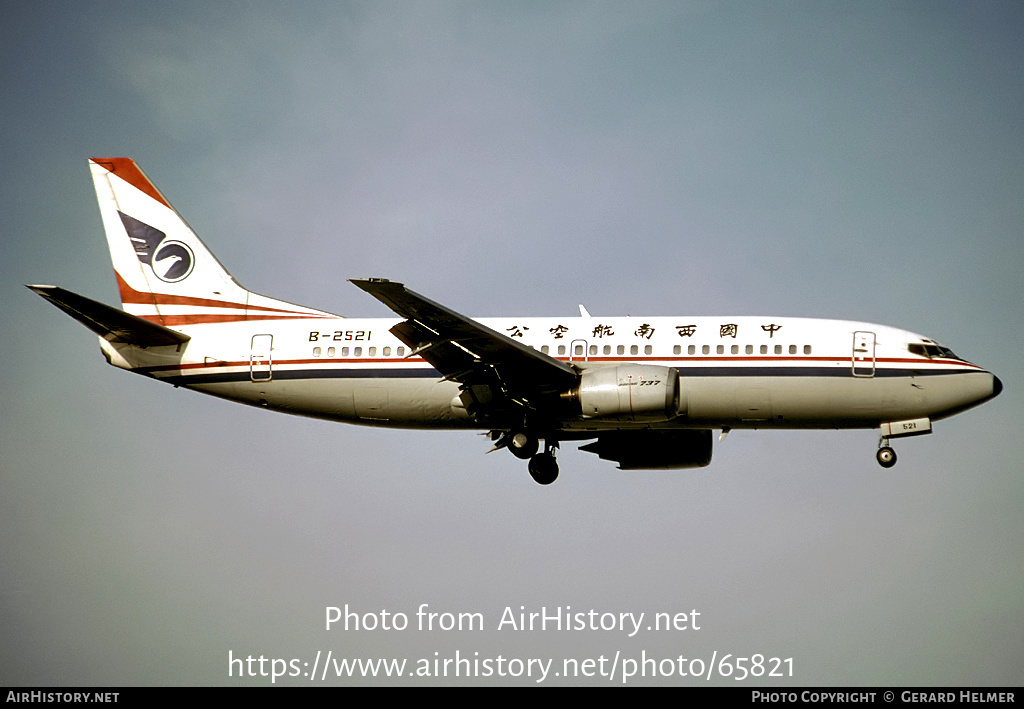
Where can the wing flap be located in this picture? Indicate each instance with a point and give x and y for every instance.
(460, 347)
(108, 322)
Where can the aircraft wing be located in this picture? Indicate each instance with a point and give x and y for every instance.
(468, 352)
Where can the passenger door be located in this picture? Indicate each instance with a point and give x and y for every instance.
(863, 362)
(260, 358)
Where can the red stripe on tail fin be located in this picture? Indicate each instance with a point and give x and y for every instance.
(127, 170)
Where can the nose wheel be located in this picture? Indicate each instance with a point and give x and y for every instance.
(885, 456)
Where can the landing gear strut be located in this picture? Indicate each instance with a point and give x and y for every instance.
(886, 456)
(543, 466)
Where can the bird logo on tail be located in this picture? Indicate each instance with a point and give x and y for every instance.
(172, 261)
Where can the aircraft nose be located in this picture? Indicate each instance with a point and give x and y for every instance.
(997, 386)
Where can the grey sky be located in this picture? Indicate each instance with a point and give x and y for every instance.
(847, 160)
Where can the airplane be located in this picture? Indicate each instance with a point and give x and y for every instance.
(644, 392)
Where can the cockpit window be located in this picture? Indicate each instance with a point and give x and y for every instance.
(931, 351)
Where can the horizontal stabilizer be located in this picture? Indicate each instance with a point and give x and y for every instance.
(110, 323)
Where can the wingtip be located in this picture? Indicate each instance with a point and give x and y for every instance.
(368, 284)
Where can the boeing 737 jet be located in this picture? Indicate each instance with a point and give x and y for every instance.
(645, 392)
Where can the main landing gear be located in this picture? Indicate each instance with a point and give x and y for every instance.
(522, 445)
(543, 467)
(886, 456)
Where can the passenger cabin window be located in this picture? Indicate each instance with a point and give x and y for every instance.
(621, 349)
(764, 349)
(316, 351)
(561, 350)
(677, 349)
(706, 349)
(749, 349)
(544, 349)
(807, 349)
(648, 349)
(692, 349)
(633, 349)
(330, 351)
(387, 351)
(401, 352)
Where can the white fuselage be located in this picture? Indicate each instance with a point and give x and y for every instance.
(734, 372)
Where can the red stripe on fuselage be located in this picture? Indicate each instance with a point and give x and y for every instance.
(844, 362)
(277, 363)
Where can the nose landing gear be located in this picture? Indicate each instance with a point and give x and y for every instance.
(886, 456)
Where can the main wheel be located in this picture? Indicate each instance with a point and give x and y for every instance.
(523, 445)
(544, 468)
(886, 457)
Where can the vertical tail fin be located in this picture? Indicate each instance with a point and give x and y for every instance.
(164, 272)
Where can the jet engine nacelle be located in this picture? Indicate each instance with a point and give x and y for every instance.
(629, 392)
(649, 450)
